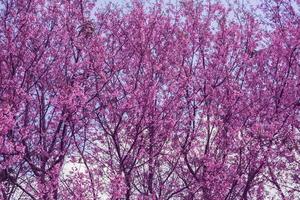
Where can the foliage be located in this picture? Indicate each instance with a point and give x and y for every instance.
(194, 100)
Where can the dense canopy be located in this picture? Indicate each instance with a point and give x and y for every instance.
(149, 100)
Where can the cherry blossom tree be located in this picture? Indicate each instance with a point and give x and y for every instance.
(149, 100)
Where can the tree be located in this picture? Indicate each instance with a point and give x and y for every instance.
(193, 100)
